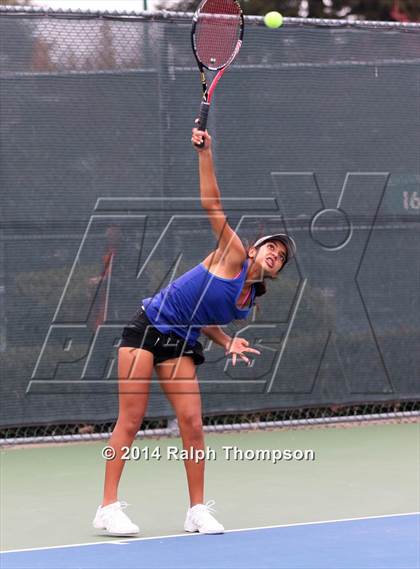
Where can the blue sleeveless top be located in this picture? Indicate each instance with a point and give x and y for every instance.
(195, 299)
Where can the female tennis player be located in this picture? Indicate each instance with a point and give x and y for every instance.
(163, 335)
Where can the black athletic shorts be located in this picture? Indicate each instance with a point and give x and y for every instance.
(140, 333)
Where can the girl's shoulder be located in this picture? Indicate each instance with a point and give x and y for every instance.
(224, 265)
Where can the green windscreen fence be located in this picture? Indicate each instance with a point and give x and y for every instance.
(315, 132)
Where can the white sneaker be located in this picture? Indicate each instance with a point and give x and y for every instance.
(199, 518)
(112, 519)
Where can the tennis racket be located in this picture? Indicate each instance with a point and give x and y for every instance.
(216, 38)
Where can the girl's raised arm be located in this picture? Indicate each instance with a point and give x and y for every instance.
(228, 242)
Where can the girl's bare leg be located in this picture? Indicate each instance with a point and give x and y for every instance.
(135, 368)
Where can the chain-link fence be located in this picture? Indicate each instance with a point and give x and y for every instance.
(316, 132)
(298, 418)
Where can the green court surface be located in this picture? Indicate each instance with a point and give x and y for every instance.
(49, 493)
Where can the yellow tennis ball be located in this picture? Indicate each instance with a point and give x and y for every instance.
(273, 19)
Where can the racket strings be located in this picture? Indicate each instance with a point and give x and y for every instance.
(217, 32)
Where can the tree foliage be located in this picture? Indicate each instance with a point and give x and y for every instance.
(385, 10)
(15, 2)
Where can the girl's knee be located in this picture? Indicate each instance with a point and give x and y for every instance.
(191, 424)
(130, 425)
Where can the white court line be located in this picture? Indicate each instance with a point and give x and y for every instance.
(127, 541)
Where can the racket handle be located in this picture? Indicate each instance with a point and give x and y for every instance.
(202, 119)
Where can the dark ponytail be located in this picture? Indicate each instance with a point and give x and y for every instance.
(260, 288)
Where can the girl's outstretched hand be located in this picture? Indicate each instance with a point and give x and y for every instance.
(237, 347)
(198, 136)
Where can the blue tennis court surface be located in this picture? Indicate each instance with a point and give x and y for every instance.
(382, 542)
